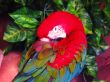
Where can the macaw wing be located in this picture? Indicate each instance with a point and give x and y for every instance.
(38, 70)
(71, 71)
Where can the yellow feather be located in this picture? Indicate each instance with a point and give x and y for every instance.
(62, 72)
(29, 53)
(72, 66)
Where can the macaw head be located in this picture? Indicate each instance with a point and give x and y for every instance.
(63, 34)
(58, 25)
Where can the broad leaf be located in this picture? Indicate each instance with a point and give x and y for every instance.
(91, 65)
(14, 34)
(76, 7)
(59, 2)
(72, 7)
(23, 2)
(25, 18)
(31, 36)
(107, 12)
(91, 71)
(98, 38)
(26, 22)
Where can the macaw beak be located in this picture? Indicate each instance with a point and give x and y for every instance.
(45, 39)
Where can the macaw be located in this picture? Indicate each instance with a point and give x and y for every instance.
(60, 53)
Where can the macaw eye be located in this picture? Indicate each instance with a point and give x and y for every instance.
(57, 32)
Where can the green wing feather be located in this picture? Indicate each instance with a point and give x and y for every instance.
(39, 69)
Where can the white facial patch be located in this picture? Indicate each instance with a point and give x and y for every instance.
(57, 32)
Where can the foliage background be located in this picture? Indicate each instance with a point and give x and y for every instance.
(26, 16)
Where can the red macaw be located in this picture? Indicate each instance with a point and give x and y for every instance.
(59, 55)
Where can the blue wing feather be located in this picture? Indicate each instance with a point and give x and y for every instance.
(30, 80)
(68, 76)
(78, 69)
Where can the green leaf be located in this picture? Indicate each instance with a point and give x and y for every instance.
(23, 2)
(88, 30)
(72, 7)
(91, 66)
(26, 22)
(30, 36)
(25, 18)
(59, 2)
(86, 22)
(95, 80)
(92, 71)
(14, 34)
(107, 11)
(7, 49)
(98, 35)
(76, 7)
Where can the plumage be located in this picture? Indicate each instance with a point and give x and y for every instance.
(60, 57)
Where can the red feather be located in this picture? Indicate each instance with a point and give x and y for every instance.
(74, 41)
